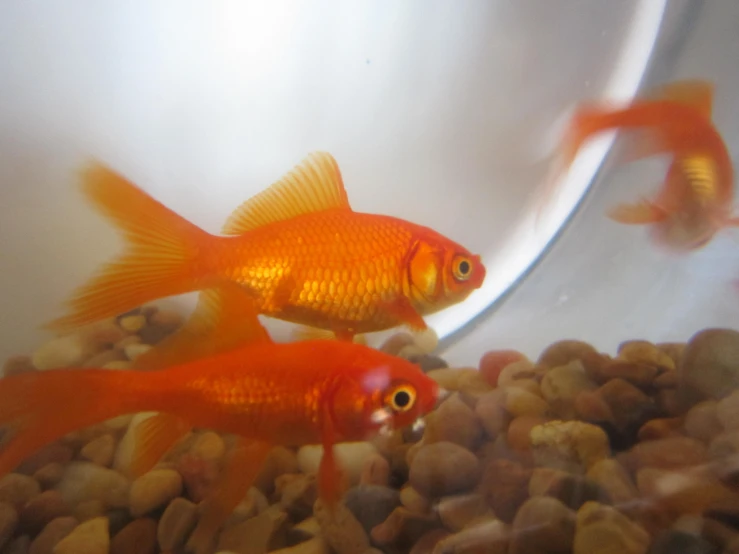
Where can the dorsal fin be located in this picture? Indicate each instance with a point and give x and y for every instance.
(693, 92)
(224, 318)
(313, 186)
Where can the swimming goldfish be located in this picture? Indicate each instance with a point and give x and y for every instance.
(221, 371)
(297, 248)
(695, 200)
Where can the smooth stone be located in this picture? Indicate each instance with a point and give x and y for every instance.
(349, 456)
(569, 445)
(488, 537)
(542, 524)
(702, 422)
(41, 509)
(17, 489)
(454, 421)
(504, 485)
(341, 530)
(153, 490)
(443, 468)
(455, 512)
(83, 481)
(8, 522)
(604, 530)
(176, 524)
(90, 537)
(50, 535)
(710, 365)
(371, 504)
(99, 451)
(676, 542)
(561, 385)
(139, 536)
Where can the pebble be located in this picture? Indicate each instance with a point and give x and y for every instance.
(153, 490)
(254, 503)
(49, 475)
(638, 374)
(666, 380)
(615, 480)
(176, 524)
(315, 545)
(66, 351)
(683, 491)
(8, 522)
(710, 365)
(563, 352)
(504, 486)
(724, 445)
(306, 529)
(413, 500)
(350, 457)
(396, 342)
(105, 357)
(428, 362)
(375, 471)
(561, 385)
(519, 402)
(646, 353)
(19, 545)
(569, 445)
(54, 532)
(542, 525)
(83, 481)
(341, 530)
(519, 431)
(403, 528)
(262, 533)
(676, 542)
(135, 350)
(139, 537)
(17, 365)
(702, 422)
(572, 490)
(297, 494)
(455, 512)
(17, 489)
(603, 530)
(209, 446)
(90, 537)
(672, 452)
(454, 421)
(41, 509)
(727, 411)
(674, 350)
(99, 451)
(159, 325)
(443, 468)
(89, 509)
(280, 460)
(629, 406)
(522, 369)
(490, 410)
(118, 365)
(660, 428)
(428, 541)
(371, 504)
(132, 323)
(488, 537)
(493, 362)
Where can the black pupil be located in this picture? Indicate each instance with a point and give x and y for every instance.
(402, 399)
(464, 267)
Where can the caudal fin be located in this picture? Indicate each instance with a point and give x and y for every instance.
(159, 261)
(41, 407)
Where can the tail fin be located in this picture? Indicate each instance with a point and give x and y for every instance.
(159, 261)
(43, 406)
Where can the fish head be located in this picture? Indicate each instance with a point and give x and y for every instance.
(442, 273)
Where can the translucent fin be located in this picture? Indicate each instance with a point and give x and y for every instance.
(306, 333)
(224, 318)
(161, 249)
(640, 213)
(155, 436)
(313, 186)
(693, 92)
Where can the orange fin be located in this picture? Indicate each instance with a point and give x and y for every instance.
(402, 309)
(693, 92)
(306, 333)
(313, 186)
(224, 318)
(238, 475)
(642, 144)
(641, 213)
(283, 292)
(154, 438)
(158, 262)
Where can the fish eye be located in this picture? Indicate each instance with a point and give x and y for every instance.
(461, 268)
(402, 398)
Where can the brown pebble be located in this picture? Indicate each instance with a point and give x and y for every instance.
(702, 423)
(89, 509)
(90, 537)
(455, 512)
(100, 450)
(396, 343)
(280, 460)
(674, 350)
(17, 365)
(414, 500)
(519, 431)
(644, 352)
(667, 380)
(49, 475)
(629, 405)
(443, 468)
(542, 524)
(504, 485)
(298, 493)
(489, 536)
(569, 445)
(41, 509)
(454, 421)
(669, 453)
(661, 428)
(565, 351)
(682, 491)
(51, 453)
(19, 545)
(371, 504)
(139, 536)
(132, 323)
(17, 489)
(427, 543)
(153, 490)
(209, 446)
(491, 412)
(176, 524)
(403, 528)
(493, 362)
(54, 532)
(603, 530)
(375, 471)
(341, 529)
(615, 480)
(640, 375)
(710, 365)
(561, 385)
(521, 369)
(8, 522)
(314, 545)
(160, 324)
(253, 504)
(520, 402)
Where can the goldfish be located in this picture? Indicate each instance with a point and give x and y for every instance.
(297, 248)
(222, 371)
(695, 200)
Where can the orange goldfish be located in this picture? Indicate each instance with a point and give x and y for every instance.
(695, 200)
(297, 248)
(221, 371)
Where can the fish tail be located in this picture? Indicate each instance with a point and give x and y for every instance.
(43, 406)
(162, 257)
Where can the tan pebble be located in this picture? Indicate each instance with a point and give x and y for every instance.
(443, 468)
(491, 412)
(542, 524)
(66, 351)
(542, 479)
(454, 421)
(349, 455)
(427, 340)
(133, 351)
(167, 319)
(340, 529)
(90, 537)
(727, 411)
(568, 445)
(504, 485)
(303, 531)
(669, 402)
(176, 524)
(261, 533)
(89, 509)
(644, 352)
(17, 489)
(54, 532)
(139, 537)
(682, 491)
(395, 343)
(209, 446)
(132, 323)
(413, 500)
(519, 431)
(702, 422)
(667, 380)
(117, 365)
(491, 537)
(428, 541)
(253, 504)
(153, 490)
(591, 407)
(19, 545)
(673, 349)
(615, 480)
(529, 385)
(410, 352)
(297, 494)
(280, 460)
(127, 341)
(49, 475)
(17, 365)
(41, 509)
(565, 351)
(669, 453)
(99, 451)
(661, 428)
(447, 378)
(601, 530)
(519, 402)
(371, 504)
(521, 369)
(8, 522)
(84, 481)
(375, 471)
(105, 357)
(561, 385)
(455, 512)
(403, 528)
(629, 405)
(315, 545)
(710, 365)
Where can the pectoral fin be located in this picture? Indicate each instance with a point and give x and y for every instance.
(640, 213)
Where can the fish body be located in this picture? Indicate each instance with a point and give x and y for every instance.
(221, 371)
(695, 199)
(297, 248)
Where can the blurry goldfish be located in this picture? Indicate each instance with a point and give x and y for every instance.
(299, 250)
(227, 376)
(695, 200)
